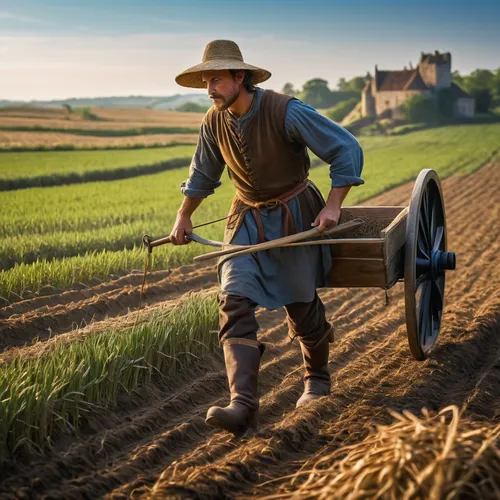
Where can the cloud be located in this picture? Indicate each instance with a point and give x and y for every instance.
(23, 19)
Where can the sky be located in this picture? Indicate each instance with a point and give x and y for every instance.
(57, 49)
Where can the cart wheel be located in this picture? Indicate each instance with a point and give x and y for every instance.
(426, 261)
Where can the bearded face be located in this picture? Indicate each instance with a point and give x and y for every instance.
(222, 88)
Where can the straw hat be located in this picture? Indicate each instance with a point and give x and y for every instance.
(219, 54)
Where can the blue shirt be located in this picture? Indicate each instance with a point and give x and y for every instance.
(272, 279)
(303, 124)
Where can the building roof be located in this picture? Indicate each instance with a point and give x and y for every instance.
(407, 79)
(415, 82)
(458, 92)
(368, 86)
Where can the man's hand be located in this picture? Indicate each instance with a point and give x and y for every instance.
(330, 215)
(181, 227)
(327, 218)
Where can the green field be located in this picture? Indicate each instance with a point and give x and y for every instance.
(107, 219)
(28, 165)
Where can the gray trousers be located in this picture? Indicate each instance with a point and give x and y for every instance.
(306, 320)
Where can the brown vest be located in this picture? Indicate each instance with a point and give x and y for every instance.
(262, 162)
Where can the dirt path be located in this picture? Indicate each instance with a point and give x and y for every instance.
(156, 444)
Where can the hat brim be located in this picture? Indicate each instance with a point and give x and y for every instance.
(191, 77)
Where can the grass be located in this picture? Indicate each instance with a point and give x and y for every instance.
(17, 166)
(43, 393)
(92, 175)
(104, 219)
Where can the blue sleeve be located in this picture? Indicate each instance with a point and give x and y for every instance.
(327, 140)
(206, 167)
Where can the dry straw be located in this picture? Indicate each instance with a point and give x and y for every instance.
(434, 457)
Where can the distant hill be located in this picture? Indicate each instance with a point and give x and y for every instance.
(154, 102)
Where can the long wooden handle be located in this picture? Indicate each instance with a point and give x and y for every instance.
(161, 241)
(280, 242)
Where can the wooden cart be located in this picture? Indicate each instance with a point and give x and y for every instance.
(407, 244)
(411, 248)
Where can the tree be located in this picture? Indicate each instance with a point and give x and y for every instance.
(342, 84)
(458, 79)
(288, 89)
(484, 99)
(495, 85)
(420, 109)
(192, 107)
(480, 79)
(316, 93)
(355, 84)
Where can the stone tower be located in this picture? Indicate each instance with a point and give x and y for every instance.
(435, 69)
(367, 100)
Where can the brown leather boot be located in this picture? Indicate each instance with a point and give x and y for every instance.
(242, 358)
(317, 377)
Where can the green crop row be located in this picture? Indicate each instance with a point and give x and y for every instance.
(43, 393)
(73, 147)
(46, 276)
(17, 166)
(91, 176)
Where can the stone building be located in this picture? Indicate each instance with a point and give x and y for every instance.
(387, 90)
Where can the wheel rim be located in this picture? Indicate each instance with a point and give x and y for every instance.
(426, 260)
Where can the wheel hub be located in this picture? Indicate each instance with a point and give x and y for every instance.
(438, 264)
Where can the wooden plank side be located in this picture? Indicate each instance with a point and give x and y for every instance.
(395, 222)
(389, 212)
(363, 248)
(355, 272)
(395, 267)
(395, 235)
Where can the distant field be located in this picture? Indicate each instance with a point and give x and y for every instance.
(39, 141)
(19, 170)
(36, 129)
(113, 215)
(108, 118)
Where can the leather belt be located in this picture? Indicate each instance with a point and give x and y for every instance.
(271, 204)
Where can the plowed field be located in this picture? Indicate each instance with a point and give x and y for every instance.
(155, 444)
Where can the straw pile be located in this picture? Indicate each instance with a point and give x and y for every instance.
(430, 458)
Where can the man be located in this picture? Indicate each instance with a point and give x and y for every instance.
(262, 137)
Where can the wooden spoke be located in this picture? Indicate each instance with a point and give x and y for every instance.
(423, 240)
(438, 239)
(436, 297)
(425, 313)
(421, 279)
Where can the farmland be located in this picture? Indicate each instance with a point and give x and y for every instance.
(26, 128)
(106, 220)
(98, 398)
